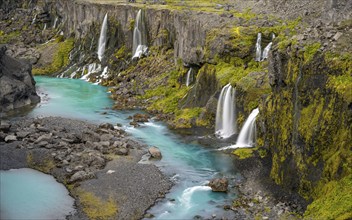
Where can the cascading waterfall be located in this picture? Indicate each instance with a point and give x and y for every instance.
(246, 138)
(92, 68)
(189, 77)
(225, 125)
(266, 51)
(102, 38)
(258, 50)
(259, 56)
(139, 39)
(55, 22)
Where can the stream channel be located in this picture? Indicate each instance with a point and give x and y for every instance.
(187, 161)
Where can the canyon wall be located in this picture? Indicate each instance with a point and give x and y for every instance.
(303, 89)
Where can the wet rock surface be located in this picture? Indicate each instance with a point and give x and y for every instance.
(80, 155)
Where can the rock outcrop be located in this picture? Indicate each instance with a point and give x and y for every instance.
(17, 86)
(154, 153)
(219, 185)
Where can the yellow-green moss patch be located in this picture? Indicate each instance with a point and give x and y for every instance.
(334, 202)
(60, 59)
(95, 207)
(244, 153)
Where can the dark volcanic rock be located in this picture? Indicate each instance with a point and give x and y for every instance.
(17, 86)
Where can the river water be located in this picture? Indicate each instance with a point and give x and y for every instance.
(189, 164)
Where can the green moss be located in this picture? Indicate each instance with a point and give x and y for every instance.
(184, 117)
(121, 53)
(131, 24)
(7, 38)
(60, 59)
(244, 153)
(334, 201)
(309, 120)
(310, 50)
(96, 208)
(247, 14)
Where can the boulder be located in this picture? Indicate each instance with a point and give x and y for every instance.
(219, 184)
(154, 153)
(106, 126)
(122, 151)
(81, 175)
(10, 138)
(4, 126)
(140, 117)
(17, 86)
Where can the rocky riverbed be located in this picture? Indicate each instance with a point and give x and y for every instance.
(96, 163)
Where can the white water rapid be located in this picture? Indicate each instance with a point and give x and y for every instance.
(102, 38)
(225, 125)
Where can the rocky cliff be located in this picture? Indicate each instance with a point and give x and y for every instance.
(17, 87)
(303, 89)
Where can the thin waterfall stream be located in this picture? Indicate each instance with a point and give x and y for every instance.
(102, 38)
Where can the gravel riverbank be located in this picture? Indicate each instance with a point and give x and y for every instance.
(95, 162)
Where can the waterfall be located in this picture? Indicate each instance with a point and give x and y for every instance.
(189, 77)
(246, 138)
(225, 125)
(266, 51)
(55, 22)
(44, 27)
(34, 19)
(139, 39)
(102, 38)
(258, 51)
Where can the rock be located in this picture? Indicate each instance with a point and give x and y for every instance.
(17, 86)
(219, 184)
(134, 124)
(106, 126)
(81, 175)
(154, 153)
(140, 117)
(110, 171)
(197, 217)
(337, 36)
(106, 137)
(22, 134)
(227, 207)
(44, 137)
(122, 151)
(10, 138)
(42, 143)
(148, 215)
(4, 126)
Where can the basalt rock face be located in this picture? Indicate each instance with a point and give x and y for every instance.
(306, 122)
(17, 86)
